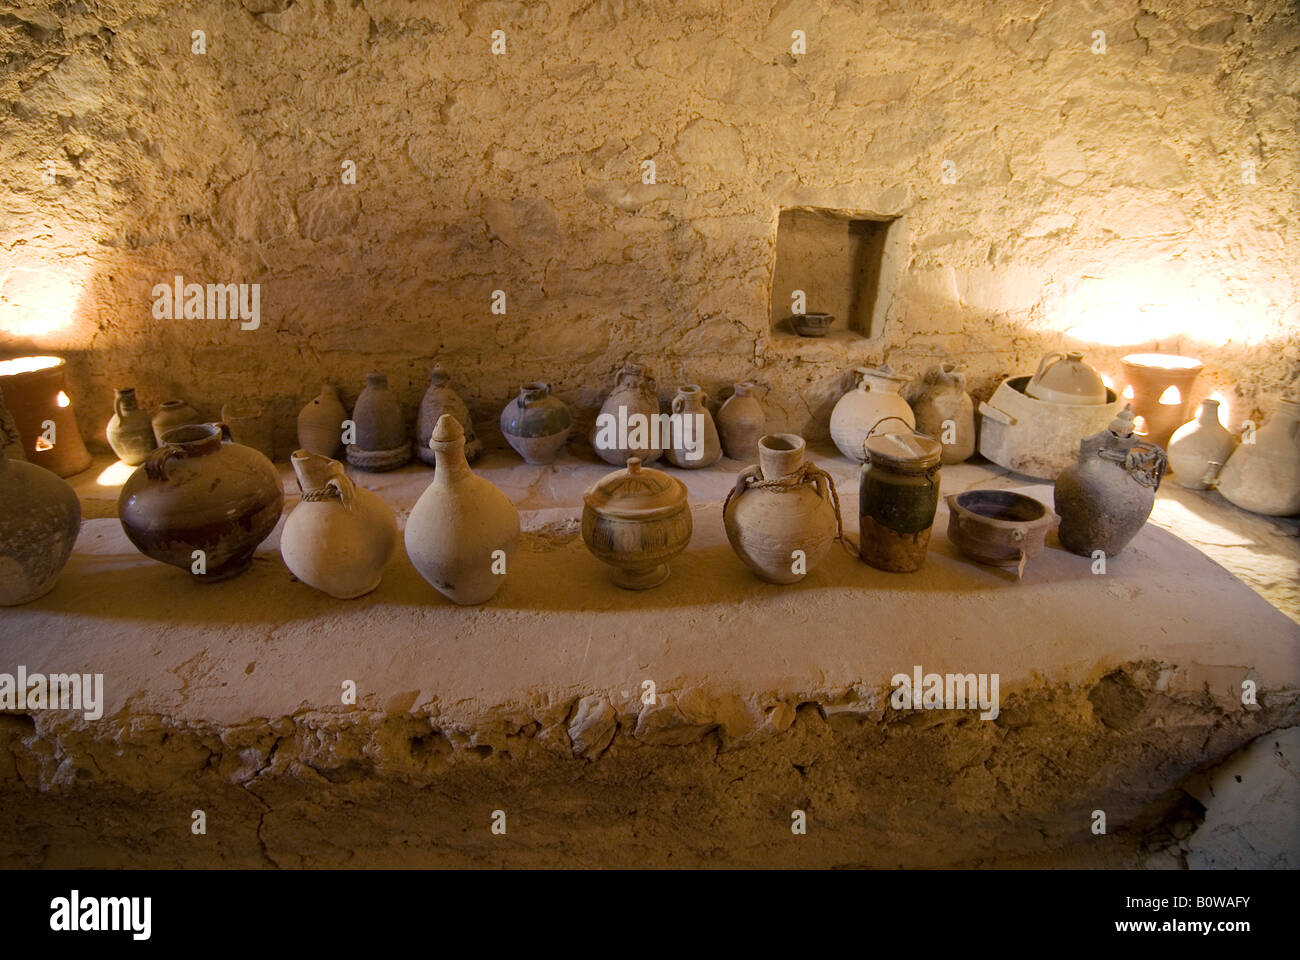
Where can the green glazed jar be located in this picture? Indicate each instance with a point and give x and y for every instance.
(898, 497)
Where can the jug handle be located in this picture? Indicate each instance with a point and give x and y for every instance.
(117, 407)
(676, 406)
(155, 467)
(343, 485)
(1043, 365)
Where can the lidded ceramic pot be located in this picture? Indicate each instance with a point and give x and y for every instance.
(898, 496)
(340, 536)
(874, 399)
(171, 414)
(40, 517)
(441, 398)
(783, 514)
(320, 423)
(691, 412)
(628, 422)
(1199, 448)
(742, 422)
(636, 520)
(130, 431)
(1065, 378)
(462, 532)
(999, 527)
(1106, 497)
(944, 410)
(199, 493)
(536, 424)
(1264, 476)
(381, 442)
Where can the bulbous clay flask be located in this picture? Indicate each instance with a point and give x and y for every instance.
(1264, 476)
(741, 422)
(944, 410)
(1199, 448)
(705, 446)
(536, 424)
(320, 423)
(130, 431)
(875, 398)
(627, 425)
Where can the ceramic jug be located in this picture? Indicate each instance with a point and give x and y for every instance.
(875, 398)
(381, 442)
(636, 520)
(340, 536)
(627, 425)
(1065, 378)
(463, 531)
(944, 410)
(783, 514)
(1264, 476)
(201, 503)
(1106, 497)
(40, 517)
(1199, 448)
(171, 414)
(691, 413)
(130, 431)
(320, 423)
(440, 398)
(536, 424)
(741, 422)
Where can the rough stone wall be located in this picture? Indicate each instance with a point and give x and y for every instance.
(1101, 199)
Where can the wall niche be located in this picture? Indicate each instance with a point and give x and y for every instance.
(845, 264)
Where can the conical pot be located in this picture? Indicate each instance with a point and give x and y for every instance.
(536, 424)
(1199, 448)
(628, 422)
(875, 398)
(945, 411)
(440, 398)
(381, 442)
(695, 439)
(741, 422)
(130, 431)
(320, 423)
(462, 532)
(1264, 476)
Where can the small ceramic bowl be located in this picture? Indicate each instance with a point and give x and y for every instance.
(999, 527)
(812, 324)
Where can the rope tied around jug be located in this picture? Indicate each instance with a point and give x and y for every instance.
(752, 479)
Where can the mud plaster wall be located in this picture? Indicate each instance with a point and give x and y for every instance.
(1101, 200)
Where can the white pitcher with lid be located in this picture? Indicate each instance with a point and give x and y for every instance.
(1065, 378)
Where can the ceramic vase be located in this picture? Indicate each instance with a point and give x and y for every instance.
(463, 531)
(536, 424)
(172, 414)
(691, 413)
(741, 422)
(130, 431)
(874, 399)
(1199, 448)
(780, 518)
(945, 411)
(636, 520)
(627, 425)
(340, 537)
(380, 443)
(320, 423)
(440, 398)
(40, 517)
(201, 503)
(1106, 497)
(1264, 476)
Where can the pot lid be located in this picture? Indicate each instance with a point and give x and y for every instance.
(903, 451)
(1065, 378)
(636, 493)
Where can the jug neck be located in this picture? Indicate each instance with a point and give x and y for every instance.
(780, 455)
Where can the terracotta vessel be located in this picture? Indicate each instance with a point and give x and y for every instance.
(782, 516)
(1106, 497)
(705, 447)
(40, 517)
(1162, 410)
(1199, 448)
(812, 324)
(999, 527)
(172, 414)
(250, 425)
(1065, 378)
(380, 442)
(130, 431)
(636, 520)
(945, 411)
(1264, 476)
(199, 492)
(340, 537)
(1035, 437)
(320, 423)
(536, 424)
(898, 496)
(875, 398)
(36, 392)
(463, 531)
(633, 403)
(440, 398)
(741, 422)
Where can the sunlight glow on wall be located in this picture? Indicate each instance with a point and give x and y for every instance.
(37, 301)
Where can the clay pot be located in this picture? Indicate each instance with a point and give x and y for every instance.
(944, 410)
(320, 423)
(1034, 437)
(198, 493)
(440, 398)
(1065, 378)
(40, 517)
(536, 424)
(463, 531)
(36, 388)
(1106, 497)
(898, 496)
(705, 448)
(778, 507)
(812, 324)
(875, 398)
(630, 413)
(741, 422)
(249, 425)
(1199, 448)
(999, 527)
(1150, 375)
(636, 520)
(130, 431)
(340, 537)
(1264, 476)
(172, 414)
(380, 440)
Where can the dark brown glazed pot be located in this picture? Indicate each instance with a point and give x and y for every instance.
(198, 491)
(999, 527)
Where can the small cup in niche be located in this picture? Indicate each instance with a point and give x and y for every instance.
(812, 324)
(249, 425)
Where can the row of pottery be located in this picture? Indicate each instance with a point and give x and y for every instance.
(133, 434)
